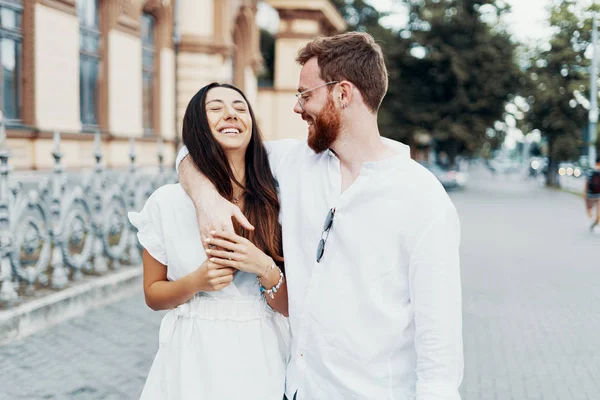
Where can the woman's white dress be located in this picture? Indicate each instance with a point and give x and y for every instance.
(219, 345)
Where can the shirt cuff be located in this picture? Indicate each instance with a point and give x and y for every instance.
(437, 390)
(183, 152)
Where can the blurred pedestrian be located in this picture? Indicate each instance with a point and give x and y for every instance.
(592, 195)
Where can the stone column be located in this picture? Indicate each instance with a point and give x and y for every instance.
(300, 22)
(204, 53)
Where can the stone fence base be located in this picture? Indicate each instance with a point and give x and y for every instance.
(35, 315)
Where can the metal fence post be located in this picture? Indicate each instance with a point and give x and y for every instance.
(134, 253)
(59, 273)
(100, 263)
(7, 289)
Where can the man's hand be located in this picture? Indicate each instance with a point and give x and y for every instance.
(213, 212)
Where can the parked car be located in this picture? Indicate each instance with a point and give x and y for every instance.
(570, 169)
(538, 166)
(449, 178)
(504, 165)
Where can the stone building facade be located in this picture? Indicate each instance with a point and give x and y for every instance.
(127, 68)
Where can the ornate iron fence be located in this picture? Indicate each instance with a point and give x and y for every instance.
(64, 228)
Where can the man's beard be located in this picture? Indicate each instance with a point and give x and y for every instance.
(326, 128)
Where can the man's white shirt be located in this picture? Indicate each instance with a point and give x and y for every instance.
(379, 317)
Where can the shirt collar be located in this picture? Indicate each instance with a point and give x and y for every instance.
(402, 153)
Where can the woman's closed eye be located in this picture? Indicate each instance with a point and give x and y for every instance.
(220, 108)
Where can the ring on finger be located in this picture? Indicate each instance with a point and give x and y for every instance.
(230, 256)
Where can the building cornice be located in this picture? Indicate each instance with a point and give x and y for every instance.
(331, 16)
(66, 6)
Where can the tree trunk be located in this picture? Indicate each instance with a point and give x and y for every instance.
(552, 174)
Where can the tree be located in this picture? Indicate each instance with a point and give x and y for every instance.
(450, 72)
(457, 76)
(267, 48)
(558, 86)
(361, 16)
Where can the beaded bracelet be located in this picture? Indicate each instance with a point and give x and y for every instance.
(271, 292)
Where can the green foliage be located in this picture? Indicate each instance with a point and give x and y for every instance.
(267, 48)
(558, 79)
(458, 87)
(359, 15)
(450, 72)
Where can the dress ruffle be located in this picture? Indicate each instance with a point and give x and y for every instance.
(148, 234)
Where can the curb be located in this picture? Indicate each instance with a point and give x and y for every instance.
(36, 315)
(573, 192)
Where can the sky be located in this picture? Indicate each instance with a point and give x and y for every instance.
(527, 20)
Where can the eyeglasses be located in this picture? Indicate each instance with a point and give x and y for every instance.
(301, 96)
(326, 229)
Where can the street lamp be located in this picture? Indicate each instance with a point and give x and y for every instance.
(593, 114)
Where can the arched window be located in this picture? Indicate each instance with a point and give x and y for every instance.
(266, 75)
(11, 39)
(88, 12)
(148, 71)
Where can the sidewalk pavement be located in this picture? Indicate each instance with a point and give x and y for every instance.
(105, 354)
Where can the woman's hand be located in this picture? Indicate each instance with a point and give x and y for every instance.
(162, 294)
(234, 251)
(237, 252)
(210, 277)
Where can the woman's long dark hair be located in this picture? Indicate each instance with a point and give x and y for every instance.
(261, 205)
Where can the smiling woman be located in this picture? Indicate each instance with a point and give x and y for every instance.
(224, 292)
(218, 126)
(229, 120)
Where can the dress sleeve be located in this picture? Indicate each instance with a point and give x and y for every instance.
(183, 152)
(150, 230)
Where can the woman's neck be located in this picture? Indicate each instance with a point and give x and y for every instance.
(238, 167)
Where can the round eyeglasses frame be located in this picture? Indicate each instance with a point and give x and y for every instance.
(302, 101)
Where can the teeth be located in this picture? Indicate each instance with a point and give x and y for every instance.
(230, 130)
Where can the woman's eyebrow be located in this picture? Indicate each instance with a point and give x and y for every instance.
(222, 102)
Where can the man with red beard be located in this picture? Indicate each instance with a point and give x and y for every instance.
(370, 239)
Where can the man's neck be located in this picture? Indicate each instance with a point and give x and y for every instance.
(360, 143)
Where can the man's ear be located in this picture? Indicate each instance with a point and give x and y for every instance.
(346, 93)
